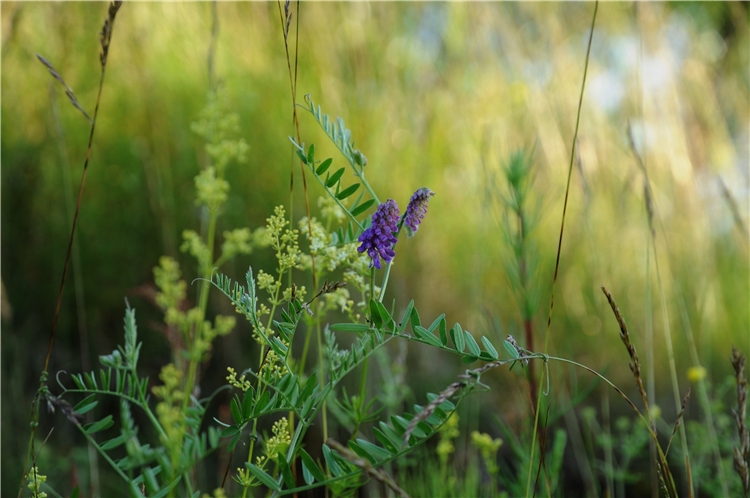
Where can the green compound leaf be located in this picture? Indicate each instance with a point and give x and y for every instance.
(149, 479)
(407, 317)
(385, 315)
(86, 405)
(362, 207)
(377, 320)
(468, 359)
(286, 472)
(426, 336)
(247, 403)
(512, 351)
(415, 321)
(435, 323)
(393, 435)
(311, 154)
(385, 441)
(310, 467)
(442, 332)
(446, 406)
(261, 404)
(457, 335)
(333, 466)
(324, 166)
(261, 475)
(234, 407)
(101, 425)
(472, 343)
(115, 442)
(490, 348)
(356, 448)
(378, 453)
(230, 431)
(310, 387)
(302, 156)
(347, 192)
(333, 180)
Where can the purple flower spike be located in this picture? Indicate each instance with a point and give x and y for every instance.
(416, 209)
(378, 240)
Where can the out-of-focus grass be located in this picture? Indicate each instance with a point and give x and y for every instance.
(436, 95)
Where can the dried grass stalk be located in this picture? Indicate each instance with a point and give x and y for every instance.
(635, 365)
(364, 464)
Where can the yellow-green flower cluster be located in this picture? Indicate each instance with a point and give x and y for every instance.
(448, 432)
(218, 126)
(172, 293)
(280, 440)
(239, 241)
(218, 493)
(261, 334)
(267, 283)
(283, 240)
(210, 190)
(244, 478)
(301, 292)
(273, 366)
(331, 211)
(488, 449)
(223, 325)
(327, 256)
(35, 482)
(171, 288)
(169, 409)
(193, 243)
(338, 299)
(243, 384)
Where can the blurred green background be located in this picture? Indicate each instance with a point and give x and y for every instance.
(437, 95)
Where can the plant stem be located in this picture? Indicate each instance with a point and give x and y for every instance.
(562, 228)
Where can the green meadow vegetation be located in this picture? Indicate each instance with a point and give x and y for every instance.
(375, 249)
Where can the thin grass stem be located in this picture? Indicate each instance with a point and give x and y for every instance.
(562, 228)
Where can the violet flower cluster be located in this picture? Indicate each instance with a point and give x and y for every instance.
(417, 209)
(378, 240)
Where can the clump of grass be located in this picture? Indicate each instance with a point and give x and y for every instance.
(741, 452)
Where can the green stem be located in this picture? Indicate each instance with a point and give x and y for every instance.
(562, 227)
(321, 375)
(385, 282)
(336, 200)
(361, 401)
(202, 304)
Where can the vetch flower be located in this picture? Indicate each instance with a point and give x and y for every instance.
(416, 209)
(378, 240)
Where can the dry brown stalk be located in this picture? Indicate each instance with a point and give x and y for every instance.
(448, 392)
(68, 90)
(678, 421)
(365, 465)
(105, 38)
(635, 365)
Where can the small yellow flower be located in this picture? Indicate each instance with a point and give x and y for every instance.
(696, 374)
(655, 411)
